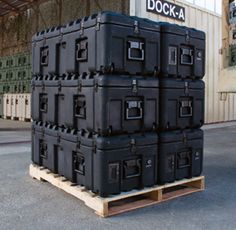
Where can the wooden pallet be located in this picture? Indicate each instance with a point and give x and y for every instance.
(124, 202)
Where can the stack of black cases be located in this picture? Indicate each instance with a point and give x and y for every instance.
(109, 114)
(181, 103)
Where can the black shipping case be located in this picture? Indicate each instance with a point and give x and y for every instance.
(44, 94)
(125, 162)
(44, 145)
(183, 51)
(181, 103)
(45, 46)
(180, 155)
(108, 165)
(73, 163)
(106, 42)
(108, 104)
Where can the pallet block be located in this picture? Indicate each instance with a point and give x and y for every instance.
(126, 201)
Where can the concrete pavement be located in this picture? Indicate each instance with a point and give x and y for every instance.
(29, 204)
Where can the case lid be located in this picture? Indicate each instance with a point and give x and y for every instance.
(181, 30)
(67, 134)
(86, 80)
(126, 81)
(51, 130)
(126, 20)
(181, 83)
(109, 17)
(179, 136)
(47, 33)
(72, 26)
(37, 126)
(126, 141)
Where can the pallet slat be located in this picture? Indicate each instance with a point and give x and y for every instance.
(124, 202)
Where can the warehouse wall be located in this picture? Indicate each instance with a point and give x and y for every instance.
(16, 30)
(217, 108)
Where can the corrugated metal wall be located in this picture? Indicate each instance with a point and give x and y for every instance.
(216, 110)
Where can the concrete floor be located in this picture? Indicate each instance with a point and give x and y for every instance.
(29, 204)
(9, 125)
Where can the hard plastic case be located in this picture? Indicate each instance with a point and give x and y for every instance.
(180, 155)
(182, 51)
(181, 103)
(105, 42)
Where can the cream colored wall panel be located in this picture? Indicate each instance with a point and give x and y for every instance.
(25, 102)
(7, 100)
(210, 68)
(234, 105)
(216, 110)
(217, 67)
(15, 106)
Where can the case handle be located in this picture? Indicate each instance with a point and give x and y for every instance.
(186, 109)
(82, 51)
(183, 160)
(79, 163)
(134, 106)
(114, 173)
(186, 56)
(80, 108)
(132, 168)
(136, 46)
(172, 55)
(43, 104)
(43, 150)
(44, 56)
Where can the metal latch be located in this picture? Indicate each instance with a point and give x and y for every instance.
(98, 23)
(186, 87)
(136, 27)
(82, 28)
(134, 86)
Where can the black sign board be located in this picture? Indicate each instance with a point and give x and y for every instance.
(167, 9)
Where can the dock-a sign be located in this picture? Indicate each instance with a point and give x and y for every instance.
(167, 9)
